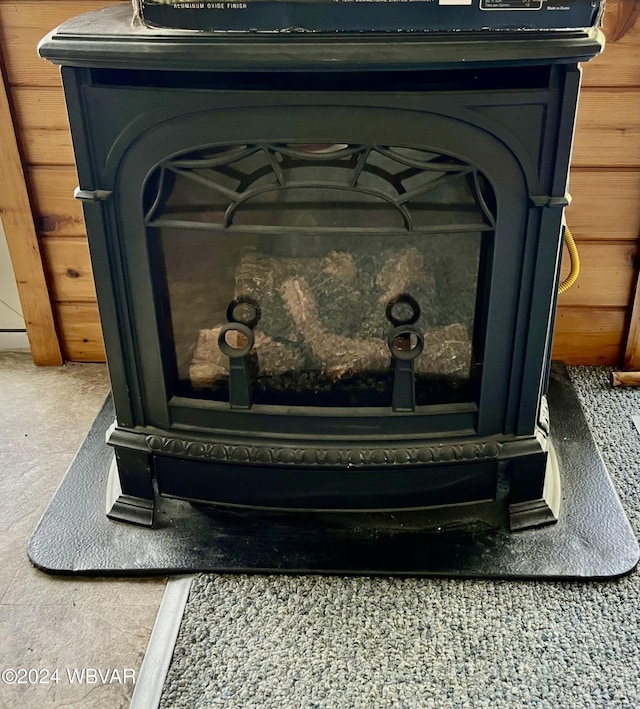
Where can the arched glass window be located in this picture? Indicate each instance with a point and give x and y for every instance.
(323, 246)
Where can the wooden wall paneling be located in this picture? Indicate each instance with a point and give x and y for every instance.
(608, 128)
(80, 332)
(606, 278)
(619, 64)
(23, 24)
(41, 125)
(40, 107)
(592, 315)
(605, 204)
(69, 268)
(605, 186)
(56, 211)
(41, 118)
(17, 219)
(589, 335)
(46, 147)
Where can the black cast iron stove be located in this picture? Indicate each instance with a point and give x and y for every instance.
(326, 264)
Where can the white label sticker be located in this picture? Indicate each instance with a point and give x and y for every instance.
(511, 4)
(455, 2)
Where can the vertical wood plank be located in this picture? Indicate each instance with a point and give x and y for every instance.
(15, 210)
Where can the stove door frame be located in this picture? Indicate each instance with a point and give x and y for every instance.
(305, 123)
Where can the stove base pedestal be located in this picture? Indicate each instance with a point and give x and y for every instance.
(75, 537)
(127, 508)
(546, 509)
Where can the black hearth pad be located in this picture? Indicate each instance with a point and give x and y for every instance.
(592, 540)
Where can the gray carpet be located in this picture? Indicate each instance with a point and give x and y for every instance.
(313, 641)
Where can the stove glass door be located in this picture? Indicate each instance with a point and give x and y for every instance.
(321, 274)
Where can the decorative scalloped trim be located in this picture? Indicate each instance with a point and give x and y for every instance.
(326, 457)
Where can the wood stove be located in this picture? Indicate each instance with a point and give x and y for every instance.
(326, 265)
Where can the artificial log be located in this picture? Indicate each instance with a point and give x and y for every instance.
(326, 317)
(336, 355)
(447, 353)
(257, 278)
(399, 273)
(351, 291)
(625, 379)
(341, 265)
(209, 364)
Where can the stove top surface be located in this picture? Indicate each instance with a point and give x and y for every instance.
(107, 38)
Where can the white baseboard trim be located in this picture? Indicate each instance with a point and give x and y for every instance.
(14, 340)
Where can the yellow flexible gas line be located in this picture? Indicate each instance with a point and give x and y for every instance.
(575, 261)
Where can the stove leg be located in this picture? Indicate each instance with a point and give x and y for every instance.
(130, 494)
(542, 510)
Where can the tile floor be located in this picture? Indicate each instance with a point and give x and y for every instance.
(55, 622)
